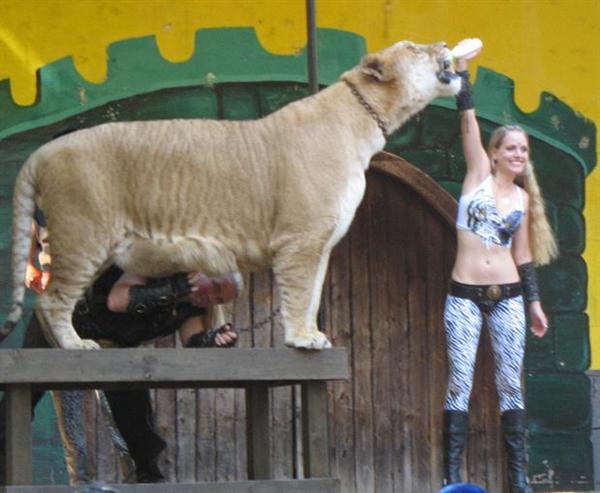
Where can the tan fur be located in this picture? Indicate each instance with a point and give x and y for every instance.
(218, 196)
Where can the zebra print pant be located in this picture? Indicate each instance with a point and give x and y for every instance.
(463, 322)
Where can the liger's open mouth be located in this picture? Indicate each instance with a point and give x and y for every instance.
(446, 73)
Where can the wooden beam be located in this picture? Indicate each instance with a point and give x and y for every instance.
(258, 432)
(158, 367)
(289, 486)
(18, 435)
(315, 437)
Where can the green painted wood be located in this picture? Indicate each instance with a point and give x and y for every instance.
(433, 161)
(558, 403)
(186, 102)
(240, 102)
(406, 137)
(274, 96)
(563, 284)
(570, 226)
(560, 175)
(135, 66)
(560, 462)
(572, 343)
(566, 348)
(439, 127)
(452, 187)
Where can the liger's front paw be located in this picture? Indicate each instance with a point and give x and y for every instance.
(309, 340)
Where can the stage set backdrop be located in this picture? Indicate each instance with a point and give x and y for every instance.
(78, 63)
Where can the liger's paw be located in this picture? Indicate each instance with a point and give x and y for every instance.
(309, 340)
(80, 344)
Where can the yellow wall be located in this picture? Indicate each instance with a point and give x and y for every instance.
(545, 45)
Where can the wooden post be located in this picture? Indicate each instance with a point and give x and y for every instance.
(258, 431)
(315, 429)
(18, 435)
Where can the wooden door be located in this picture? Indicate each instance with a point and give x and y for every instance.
(383, 301)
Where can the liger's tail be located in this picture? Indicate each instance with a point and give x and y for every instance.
(23, 209)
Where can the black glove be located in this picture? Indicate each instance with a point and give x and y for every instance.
(531, 291)
(464, 99)
(157, 294)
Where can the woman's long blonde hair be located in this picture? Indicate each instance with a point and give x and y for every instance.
(541, 238)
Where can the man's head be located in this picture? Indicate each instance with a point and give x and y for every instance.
(208, 291)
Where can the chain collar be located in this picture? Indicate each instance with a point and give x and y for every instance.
(263, 323)
(368, 107)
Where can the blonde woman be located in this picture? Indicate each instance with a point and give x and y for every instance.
(502, 233)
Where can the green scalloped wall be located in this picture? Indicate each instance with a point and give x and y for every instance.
(249, 83)
(135, 66)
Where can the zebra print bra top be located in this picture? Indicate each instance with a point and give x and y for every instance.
(477, 212)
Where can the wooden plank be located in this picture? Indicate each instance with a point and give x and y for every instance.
(342, 409)
(440, 240)
(91, 432)
(184, 448)
(150, 367)
(399, 220)
(315, 430)
(283, 454)
(206, 459)
(242, 317)
(258, 405)
(185, 432)
(258, 433)
(18, 435)
(420, 184)
(289, 486)
(417, 357)
(165, 416)
(107, 466)
(362, 398)
(381, 327)
(225, 436)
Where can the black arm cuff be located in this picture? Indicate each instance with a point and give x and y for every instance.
(157, 294)
(531, 291)
(464, 99)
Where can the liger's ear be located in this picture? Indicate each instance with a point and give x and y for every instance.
(377, 66)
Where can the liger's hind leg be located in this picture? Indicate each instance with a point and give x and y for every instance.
(55, 307)
(54, 310)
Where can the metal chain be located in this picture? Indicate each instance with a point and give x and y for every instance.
(368, 107)
(262, 323)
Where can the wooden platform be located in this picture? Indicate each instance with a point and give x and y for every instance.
(296, 486)
(254, 369)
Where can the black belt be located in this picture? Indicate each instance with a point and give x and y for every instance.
(485, 292)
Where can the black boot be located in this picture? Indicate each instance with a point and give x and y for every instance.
(456, 431)
(514, 427)
(149, 474)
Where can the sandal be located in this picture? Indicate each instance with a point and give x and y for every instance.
(207, 338)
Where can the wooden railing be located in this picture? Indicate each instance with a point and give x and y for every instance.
(253, 369)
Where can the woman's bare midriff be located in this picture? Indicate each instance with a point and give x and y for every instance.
(477, 263)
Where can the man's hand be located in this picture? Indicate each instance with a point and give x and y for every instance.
(36, 280)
